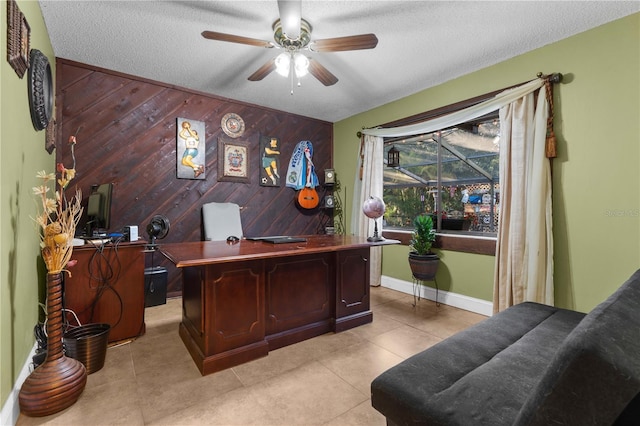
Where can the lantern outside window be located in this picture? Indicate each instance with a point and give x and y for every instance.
(393, 157)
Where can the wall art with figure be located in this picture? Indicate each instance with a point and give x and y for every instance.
(190, 149)
(270, 161)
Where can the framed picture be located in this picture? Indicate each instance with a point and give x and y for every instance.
(50, 136)
(233, 161)
(269, 161)
(18, 35)
(190, 149)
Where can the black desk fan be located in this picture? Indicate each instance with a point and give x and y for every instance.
(155, 277)
(158, 228)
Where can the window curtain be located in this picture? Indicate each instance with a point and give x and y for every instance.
(524, 250)
(503, 98)
(524, 262)
(368, 183)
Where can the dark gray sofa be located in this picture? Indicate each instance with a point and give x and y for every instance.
(531, 364)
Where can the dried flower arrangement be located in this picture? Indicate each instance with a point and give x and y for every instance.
(59, 216)
(59, 381)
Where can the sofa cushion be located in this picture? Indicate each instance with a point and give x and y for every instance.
(596, 373)
(482, 374)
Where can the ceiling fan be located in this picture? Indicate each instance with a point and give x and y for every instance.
(293, 34)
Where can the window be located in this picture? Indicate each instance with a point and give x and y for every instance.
(451, 174)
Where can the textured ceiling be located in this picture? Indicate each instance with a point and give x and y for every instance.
(421, 44)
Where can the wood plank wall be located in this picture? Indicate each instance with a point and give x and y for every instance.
(126, 133)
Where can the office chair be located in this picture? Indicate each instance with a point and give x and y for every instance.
(221, 220)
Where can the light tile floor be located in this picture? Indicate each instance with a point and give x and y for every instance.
(321, 381)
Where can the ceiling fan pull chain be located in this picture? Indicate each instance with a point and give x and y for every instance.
(291, 73)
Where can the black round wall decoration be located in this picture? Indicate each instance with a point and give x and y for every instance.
(40, 89)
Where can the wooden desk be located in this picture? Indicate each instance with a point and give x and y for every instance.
(240, 301)
(107, 286)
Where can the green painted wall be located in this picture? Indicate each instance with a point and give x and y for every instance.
(394, 264)
(596, 179)
(22, 154)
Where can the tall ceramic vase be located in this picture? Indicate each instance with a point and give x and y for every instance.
(59, 381)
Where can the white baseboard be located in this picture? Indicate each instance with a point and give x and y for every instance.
(11, 408)
(461, 301)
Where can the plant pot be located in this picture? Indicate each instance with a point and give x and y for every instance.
(456, 224)
(424, 267)
(450, 224)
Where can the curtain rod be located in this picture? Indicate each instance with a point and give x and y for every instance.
(554, 78)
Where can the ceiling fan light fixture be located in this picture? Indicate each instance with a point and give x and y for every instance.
(301, 64)
(283, 64)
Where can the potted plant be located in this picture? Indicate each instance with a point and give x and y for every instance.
(423, 262)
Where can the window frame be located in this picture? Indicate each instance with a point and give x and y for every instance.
(467, 243)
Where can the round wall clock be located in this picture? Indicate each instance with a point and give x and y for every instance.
(232, 125)
(40, 89)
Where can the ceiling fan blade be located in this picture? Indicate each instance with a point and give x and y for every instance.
(321, 73)
(263, 71)
(340, 44)
(290, 15)
(212, 35)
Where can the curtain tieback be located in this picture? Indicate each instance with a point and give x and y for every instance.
(550, 146)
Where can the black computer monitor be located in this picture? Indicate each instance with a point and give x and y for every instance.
(99, 209)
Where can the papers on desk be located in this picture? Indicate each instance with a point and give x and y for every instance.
(279, 239)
